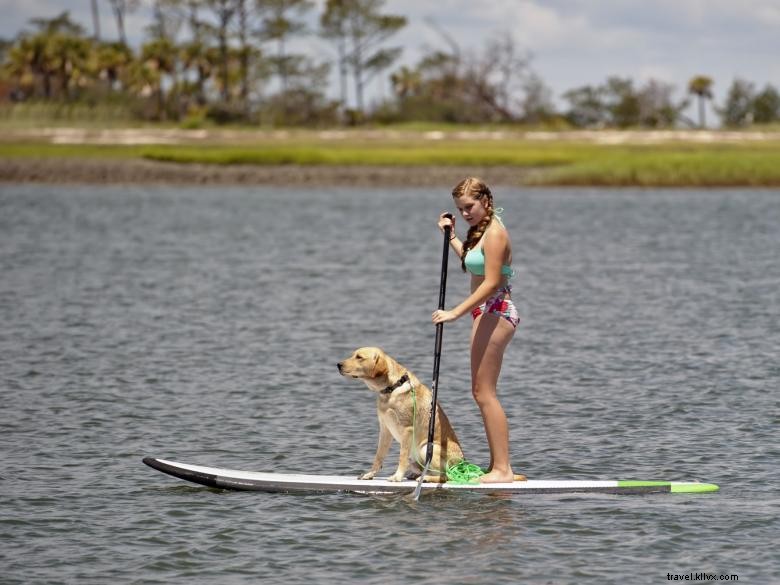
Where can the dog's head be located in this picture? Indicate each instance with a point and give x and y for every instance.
(366, 363)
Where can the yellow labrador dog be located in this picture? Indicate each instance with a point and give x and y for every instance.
(393, 385)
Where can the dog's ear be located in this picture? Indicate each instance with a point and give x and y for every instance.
(380, 366)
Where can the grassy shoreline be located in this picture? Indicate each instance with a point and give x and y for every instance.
(594, 159)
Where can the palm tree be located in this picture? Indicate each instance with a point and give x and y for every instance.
(406, 82)
(196, 56)
(159, 59)
(32, 62)
(57, 48)
(72, 61)
(110, 60)
(701, 87)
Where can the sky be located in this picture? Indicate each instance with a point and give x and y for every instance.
(573, 42)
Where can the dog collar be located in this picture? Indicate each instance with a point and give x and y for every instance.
(401, 381)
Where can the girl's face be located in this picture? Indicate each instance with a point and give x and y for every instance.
(470, 208)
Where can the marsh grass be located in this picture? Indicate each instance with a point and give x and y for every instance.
(462, 153)
(717, 166)
(90, 151)
(557, 162)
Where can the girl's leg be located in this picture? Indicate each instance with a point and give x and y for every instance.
(490, 336)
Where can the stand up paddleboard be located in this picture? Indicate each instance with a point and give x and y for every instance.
(231, 479)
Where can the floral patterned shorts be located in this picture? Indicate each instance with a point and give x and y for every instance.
(499, 305)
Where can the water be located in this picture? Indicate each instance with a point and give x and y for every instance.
(204, 325)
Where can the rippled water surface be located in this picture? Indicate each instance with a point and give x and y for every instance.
(204, 325)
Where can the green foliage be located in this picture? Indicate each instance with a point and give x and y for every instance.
(235, 66)
(738, 109)
(617, 104)
(766, 106)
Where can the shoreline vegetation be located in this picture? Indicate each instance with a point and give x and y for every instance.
(424, 155)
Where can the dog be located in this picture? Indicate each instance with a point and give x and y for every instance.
(397, 391)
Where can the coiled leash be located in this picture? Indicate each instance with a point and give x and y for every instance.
(460, 473)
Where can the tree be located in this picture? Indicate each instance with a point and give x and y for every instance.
(622, 102)
(701, 87)
(28, 64)
(738, 108)
(57, 49)
(167, 20)
(766, 106)
(367, 30)
(199, 59)
(95, 20)
(657, 108)
(224, 10)
(195, 53)
(493, 84)
(71, 60)
(406, 82)
(493, 79)
(110, 61)
(245, 53)
(537, 102)
(586, 106)
(121, 8)
(158, 59)
(60, 24)
(333, 27)
(5, 47)
(280, 20)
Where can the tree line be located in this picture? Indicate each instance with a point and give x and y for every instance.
(242, 61)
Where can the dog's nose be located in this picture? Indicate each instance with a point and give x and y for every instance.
(340, 365)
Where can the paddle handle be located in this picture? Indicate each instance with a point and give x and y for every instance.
(437, 346)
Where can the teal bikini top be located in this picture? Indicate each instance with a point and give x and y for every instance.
(475, 258)
(475, 263)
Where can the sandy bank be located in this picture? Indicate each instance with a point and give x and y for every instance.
(172, 136)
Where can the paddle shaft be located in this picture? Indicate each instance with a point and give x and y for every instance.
(436, 357)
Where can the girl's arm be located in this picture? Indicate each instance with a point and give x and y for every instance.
(456, 245)
(494, 248)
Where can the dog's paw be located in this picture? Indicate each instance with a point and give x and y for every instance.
(367, 475)
(396, 477)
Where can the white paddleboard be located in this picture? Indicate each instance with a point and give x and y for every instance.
(232, 479)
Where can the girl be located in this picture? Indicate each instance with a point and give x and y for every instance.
(487, 255)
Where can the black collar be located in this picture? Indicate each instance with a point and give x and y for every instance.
(401, 381)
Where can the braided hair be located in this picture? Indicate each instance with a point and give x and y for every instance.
(477, 189)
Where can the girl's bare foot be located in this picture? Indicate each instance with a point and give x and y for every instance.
(495, 476)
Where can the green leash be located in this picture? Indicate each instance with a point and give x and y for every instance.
(464, 473)
(460, 473)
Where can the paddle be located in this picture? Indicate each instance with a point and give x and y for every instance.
(436, 360)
